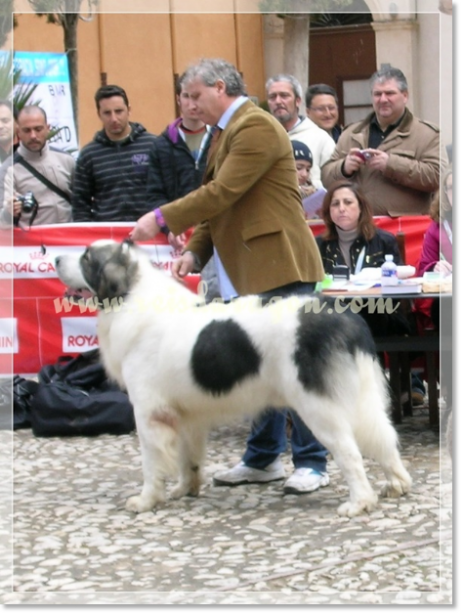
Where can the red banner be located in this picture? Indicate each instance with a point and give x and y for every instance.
(37, 324)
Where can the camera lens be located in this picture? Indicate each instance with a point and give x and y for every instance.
(28, 203)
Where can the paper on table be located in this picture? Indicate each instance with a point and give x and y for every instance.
(312, 203)
(349, 285)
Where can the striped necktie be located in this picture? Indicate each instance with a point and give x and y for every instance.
(214, 142)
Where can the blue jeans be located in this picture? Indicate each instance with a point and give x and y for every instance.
(268, 439)
(268, 434)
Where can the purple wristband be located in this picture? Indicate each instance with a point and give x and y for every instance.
(159, 218)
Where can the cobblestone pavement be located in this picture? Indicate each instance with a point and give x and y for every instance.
(74, 543)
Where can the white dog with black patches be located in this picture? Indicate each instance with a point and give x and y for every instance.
(188, 368)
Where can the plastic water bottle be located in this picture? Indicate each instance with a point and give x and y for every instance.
(389, 272)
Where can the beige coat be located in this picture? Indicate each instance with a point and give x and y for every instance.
(249, 208)
(412, 172)
(58, 167)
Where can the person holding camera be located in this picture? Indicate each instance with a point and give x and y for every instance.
(37, 182)
(394, 156)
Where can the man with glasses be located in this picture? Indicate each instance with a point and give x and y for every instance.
(321, 103)
(394, 156)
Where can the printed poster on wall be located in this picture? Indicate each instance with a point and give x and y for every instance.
(50, 72)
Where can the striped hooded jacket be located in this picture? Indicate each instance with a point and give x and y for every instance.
(110, 178)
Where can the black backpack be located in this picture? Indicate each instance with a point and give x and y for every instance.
(75, 397)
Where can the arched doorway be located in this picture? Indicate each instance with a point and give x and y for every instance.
(343, 55)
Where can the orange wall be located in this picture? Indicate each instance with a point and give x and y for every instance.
(142, 52)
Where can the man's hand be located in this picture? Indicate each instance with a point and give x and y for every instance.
(145, 228)
(443, 267)
(13, 205)
(353, 161)
(183, 266)
(178, 242)
(378, 160)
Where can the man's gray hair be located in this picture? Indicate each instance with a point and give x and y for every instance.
(387, 73)
(297, 87)
(212, 70)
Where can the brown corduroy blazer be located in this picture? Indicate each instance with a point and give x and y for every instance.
(249, 208)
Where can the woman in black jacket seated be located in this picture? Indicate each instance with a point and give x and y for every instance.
(351, 238)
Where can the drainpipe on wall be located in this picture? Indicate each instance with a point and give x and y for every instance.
(103, 73)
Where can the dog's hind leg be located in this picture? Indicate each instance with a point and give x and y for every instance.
(192, 451)
(375, 434)
(384, 450)
(349, 460)
(331, 427)
(158, 443)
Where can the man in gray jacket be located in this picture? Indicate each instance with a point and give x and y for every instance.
(51, 189)
(393, 156)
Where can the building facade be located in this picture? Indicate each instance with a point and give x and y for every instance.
(143, 47)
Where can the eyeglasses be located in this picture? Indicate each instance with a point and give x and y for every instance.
(321, 109)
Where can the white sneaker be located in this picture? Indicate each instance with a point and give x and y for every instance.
(241, 474)
(304, 480)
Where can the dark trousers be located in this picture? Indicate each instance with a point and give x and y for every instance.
(268, 433)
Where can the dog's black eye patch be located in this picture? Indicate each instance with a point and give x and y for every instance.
(223, 356)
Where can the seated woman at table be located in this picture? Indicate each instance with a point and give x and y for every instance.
(436, 254)
(351, 238)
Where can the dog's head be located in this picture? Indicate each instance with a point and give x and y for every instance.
(107, 269)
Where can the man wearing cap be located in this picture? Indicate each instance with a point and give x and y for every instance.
(312, 197)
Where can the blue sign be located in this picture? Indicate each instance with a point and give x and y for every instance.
(37, 67)
(49, 72)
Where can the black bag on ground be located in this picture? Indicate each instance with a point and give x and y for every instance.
(23, 392)
(76, 398)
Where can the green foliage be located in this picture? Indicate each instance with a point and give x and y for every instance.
(6, 20)
(56, 10)
(5, 75)
(10, 77)
(20, 95)
(304, 7)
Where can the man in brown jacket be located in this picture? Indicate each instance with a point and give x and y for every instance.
(248, 214)
(392, 155)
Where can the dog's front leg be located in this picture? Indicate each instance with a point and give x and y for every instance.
(192, 450)
(158, 442)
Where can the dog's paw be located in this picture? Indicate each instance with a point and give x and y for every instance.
(179, 491)
(182, 489)
(139, 504)
(352, 509)
(395, 488)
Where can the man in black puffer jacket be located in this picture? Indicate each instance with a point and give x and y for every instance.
(178, 157)
(111, 171)
(177, 163)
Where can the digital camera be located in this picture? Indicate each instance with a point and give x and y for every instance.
(28, 202)
(364, 155)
